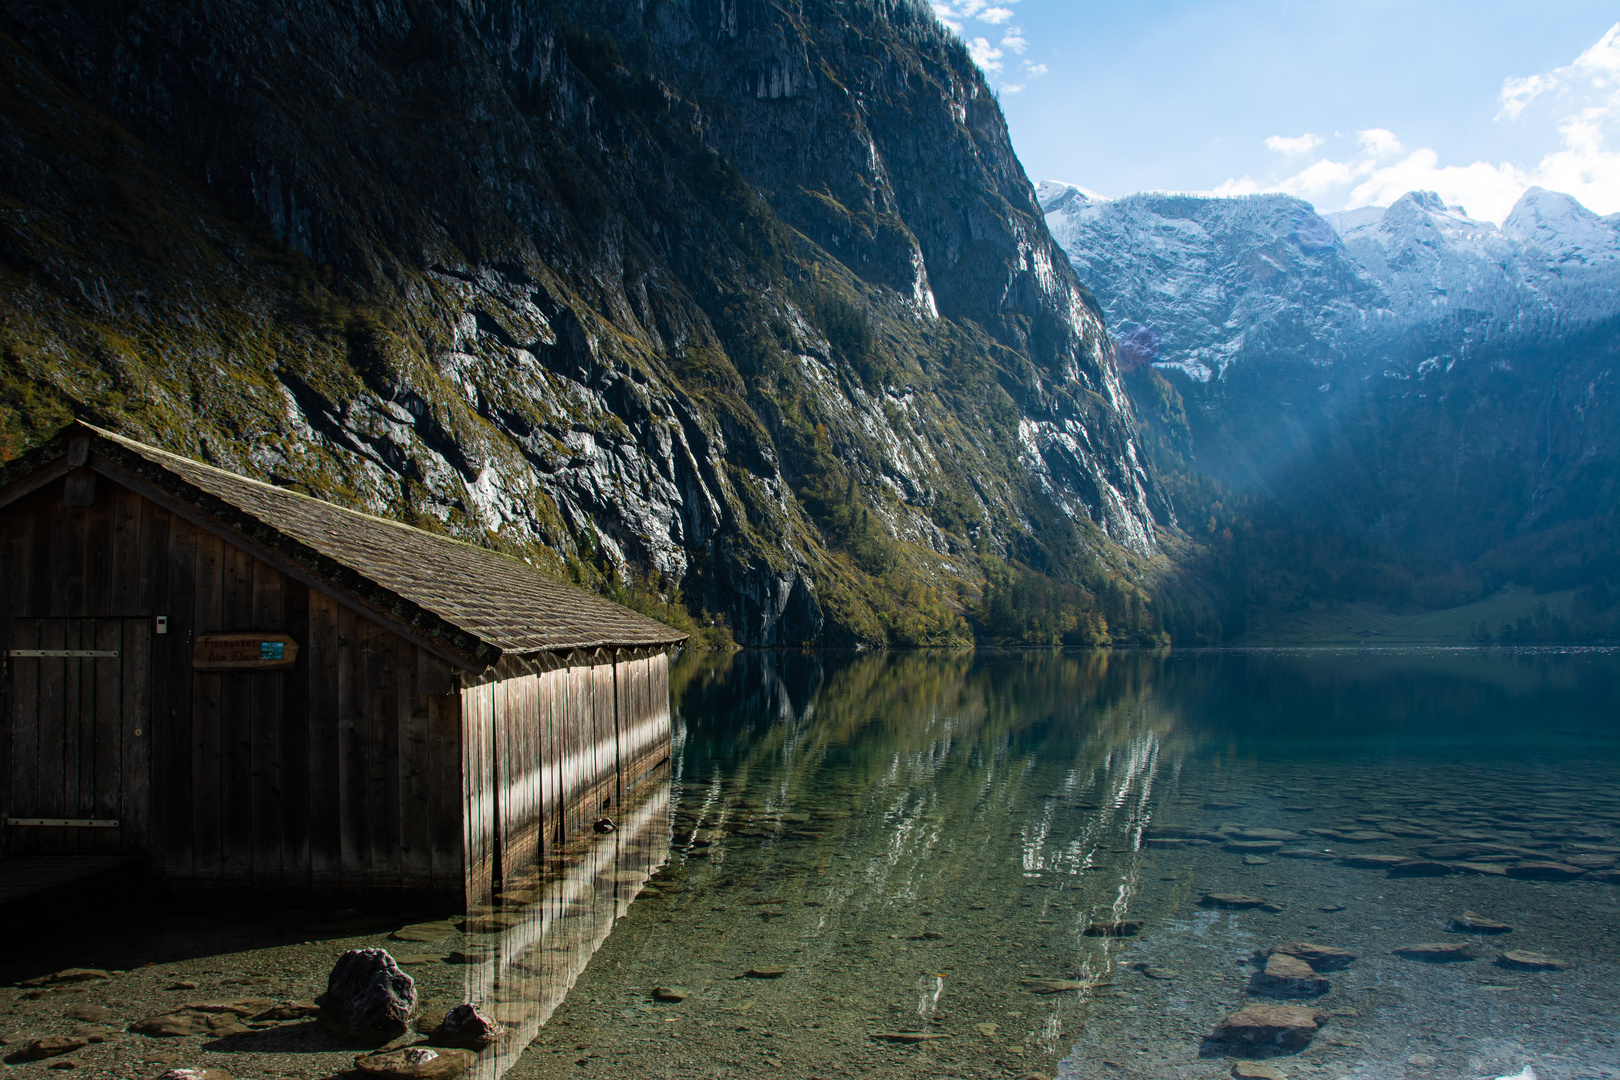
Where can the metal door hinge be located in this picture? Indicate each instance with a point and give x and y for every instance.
(68, 822)
(70, 654)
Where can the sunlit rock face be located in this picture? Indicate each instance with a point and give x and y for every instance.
(632, 285)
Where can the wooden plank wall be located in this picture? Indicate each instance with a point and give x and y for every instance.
(643, 689)
(567, 744)
(337, 773)
(77, 727)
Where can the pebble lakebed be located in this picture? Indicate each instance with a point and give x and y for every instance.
(772, 895)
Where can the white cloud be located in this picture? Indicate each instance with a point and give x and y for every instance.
(1293, 145)
(986, 55)
(1378, 143)
(1593, 69)
(957, 13)
(1580, 101)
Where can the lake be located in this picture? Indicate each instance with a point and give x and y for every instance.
(934, 851)
(1081, 865)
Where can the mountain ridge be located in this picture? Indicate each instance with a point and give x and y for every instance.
(1408, 403)
(568, 280)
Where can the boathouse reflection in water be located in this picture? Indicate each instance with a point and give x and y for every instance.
(526, 948)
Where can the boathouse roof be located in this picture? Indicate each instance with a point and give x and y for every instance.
(478, 603)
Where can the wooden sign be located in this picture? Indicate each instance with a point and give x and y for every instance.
(243, 652)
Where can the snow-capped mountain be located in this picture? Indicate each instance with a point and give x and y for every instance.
(1552, 258)
(1195, 283)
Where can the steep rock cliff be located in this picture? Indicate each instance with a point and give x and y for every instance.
(745, 301)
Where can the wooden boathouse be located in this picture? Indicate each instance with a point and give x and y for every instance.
(258, 689)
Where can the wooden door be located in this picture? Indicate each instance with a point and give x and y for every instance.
(79, 733)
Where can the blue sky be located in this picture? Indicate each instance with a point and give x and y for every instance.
(1342, 103)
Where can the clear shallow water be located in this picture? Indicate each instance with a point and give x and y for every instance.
(920, 842)
(907, 851)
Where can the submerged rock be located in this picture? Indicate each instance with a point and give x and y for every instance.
(1254, 1070)
(1466, 850)
(202, 1017)
(1279, 835)
(1230, 901)
(1437, 952)
(414, 1063)
(1288, 976)
(289, 1010)
(1472, 922)
(68, 976)
(90, 1014)
(1373, 862)
(1421, 868)
(1483, 869)
(48, 1047)
(1523, 960)
(1319, 957)
(1051, 986)
(909, 1037)
(368, 996)
(670, 993)
(1286, 1027)
(1154, 971)
(1124, 928)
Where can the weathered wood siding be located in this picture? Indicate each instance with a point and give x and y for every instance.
(553, 744)
(339, 772)
(643, 689)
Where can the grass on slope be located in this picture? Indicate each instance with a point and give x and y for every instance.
(1369, 623)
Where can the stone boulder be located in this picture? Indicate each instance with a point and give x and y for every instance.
(48, 1047)
(1287, 976)
(1281, 1027)
(1524, 960)
(414, 1063)
(1437, 952)
(367, 997)
(467, 1027)
(1320, 957)
(1472, 922)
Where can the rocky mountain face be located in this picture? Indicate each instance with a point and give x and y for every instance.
(730, 305)
(1441, 386)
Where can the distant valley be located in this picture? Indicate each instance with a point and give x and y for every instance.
(1408, 405)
